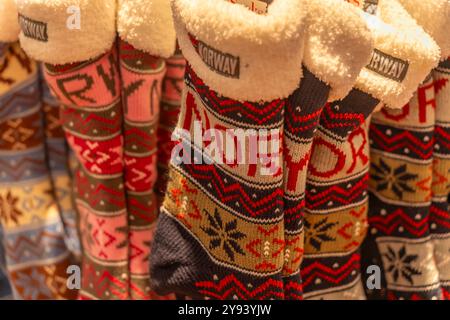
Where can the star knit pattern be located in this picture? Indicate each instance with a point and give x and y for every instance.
(33, 238)
(336, 208)
(439, 220)
(337, 189)
(301, 119)
(217, 207)
(91, 113)
(233, 229)
(401, 177)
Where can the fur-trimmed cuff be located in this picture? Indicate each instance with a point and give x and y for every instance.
(147, 25)
(9, 27)
(66, 31)
(239, 53)
(338, 44)
(434, 17)
(403, 56)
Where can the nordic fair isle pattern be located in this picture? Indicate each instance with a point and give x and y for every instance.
(301, 119)
(337, 196)
(33, 232)
(170, 110)
(142, 78)
(336, 205)
(58, 159)
(220, 233)
(439, 220)
(110, 114)
(401, 173)
(91, 113)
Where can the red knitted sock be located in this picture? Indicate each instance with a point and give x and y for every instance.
(84, 75)
(148, 36)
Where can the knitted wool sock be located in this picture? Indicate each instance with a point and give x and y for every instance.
(60, 173)
(148, 36)
(440, 211)
(93, 127)
(434, 16)
(304, 108)
(170, 110)
(337, 202)
(407, 199)
(35, 253)
(400, 185)
(33, 234)
(87, 84)
(221, 232)
(142, 76)
(94, 131)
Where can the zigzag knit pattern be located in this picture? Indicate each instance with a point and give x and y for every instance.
(170, 110)
(220, 234)
(404, 237)
(142, 78)
(301, 119)
(33, 237)
(439, 211)
(110, 112)
(337, 203)
(91, 113)
(58, 159)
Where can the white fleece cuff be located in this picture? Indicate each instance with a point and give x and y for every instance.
(9, 27)
(434, 17)
(338, 44)
(50, 31)
(403, 56)
(147, 25)
(241, 54)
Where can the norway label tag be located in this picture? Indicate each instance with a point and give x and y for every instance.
(222, 63)
(33, 29)
(388, 66)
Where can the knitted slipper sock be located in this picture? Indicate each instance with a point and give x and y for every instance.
(33, 234)
(60, 173)
(148, 36)
(337, 202)
(434, 17)
(244, 230)
(336, 212)
(409, 206)
(170, 110)
(87, 84)
(142, 76)
(400, 198)
(322, 80)
(440, 211)
(94, 132)
(220, 233)
(33, 238)
(173, 85)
